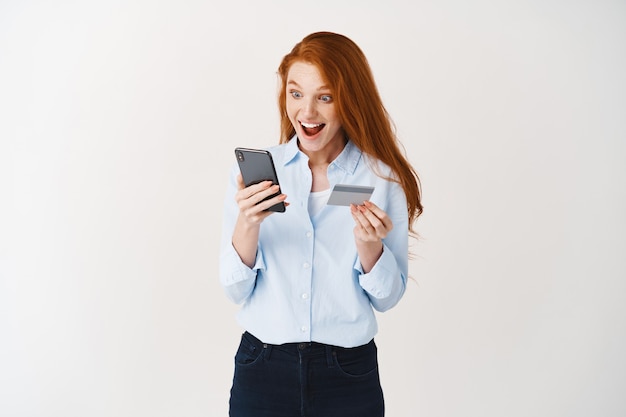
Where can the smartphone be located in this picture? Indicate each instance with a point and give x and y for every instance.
(257, 165)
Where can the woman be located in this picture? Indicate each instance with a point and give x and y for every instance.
(310, 278)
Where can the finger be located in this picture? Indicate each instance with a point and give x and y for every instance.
(258, 202)
(240, 184)
(379, 213)
(264, 205)
(252, 190)
(254, 216)
(256, 213)
(363, 224)
(376, 226)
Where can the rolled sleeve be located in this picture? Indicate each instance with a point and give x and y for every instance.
(385, 283)
(236, 277)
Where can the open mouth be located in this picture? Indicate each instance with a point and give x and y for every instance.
(312, 129)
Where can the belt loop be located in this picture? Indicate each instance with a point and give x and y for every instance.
(329, 356)
(267, 348)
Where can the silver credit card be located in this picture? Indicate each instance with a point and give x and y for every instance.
(344, 195)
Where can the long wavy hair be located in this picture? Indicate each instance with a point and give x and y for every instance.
(347, 73)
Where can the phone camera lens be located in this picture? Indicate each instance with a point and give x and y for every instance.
(240, 156)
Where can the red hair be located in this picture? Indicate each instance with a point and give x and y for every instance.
(364, 118)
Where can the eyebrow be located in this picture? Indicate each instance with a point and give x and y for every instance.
(322, 88)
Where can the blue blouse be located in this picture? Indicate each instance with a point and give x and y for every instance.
(307, 283)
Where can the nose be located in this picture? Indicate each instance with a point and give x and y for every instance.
(309, 107)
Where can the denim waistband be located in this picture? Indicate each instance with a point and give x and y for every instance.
(297, 347)
(293, 350)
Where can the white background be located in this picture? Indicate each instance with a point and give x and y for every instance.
(118, 121)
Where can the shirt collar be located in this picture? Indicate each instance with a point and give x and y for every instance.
(347, 160)
(291, 150)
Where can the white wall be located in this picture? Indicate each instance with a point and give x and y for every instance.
(117, 124)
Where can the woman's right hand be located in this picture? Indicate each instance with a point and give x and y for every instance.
(251, 214)
(252, 210)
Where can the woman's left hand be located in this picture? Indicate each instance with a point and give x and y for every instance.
(372, 225)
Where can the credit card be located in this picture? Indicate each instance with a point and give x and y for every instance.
(344, 195)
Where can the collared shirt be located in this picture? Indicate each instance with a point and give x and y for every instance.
(307, 283)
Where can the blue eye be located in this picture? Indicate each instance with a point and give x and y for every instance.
(295, 94)
(326, 98)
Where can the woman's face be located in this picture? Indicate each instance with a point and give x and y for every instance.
(311, 110)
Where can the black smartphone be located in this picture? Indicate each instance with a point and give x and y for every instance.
(257, 165)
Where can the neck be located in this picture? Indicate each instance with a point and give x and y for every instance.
(324, 157)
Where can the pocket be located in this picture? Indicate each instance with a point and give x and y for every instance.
(357, 362)
(248, 352)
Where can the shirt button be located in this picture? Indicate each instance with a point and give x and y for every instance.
(309, 234)
(305, 296)
(303, 329)
(306, 265)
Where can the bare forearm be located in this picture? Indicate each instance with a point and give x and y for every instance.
(369, 253)
(245, 241)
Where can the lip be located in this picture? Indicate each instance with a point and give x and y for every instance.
(310, 125)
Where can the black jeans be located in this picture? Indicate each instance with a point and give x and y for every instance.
(305, 380)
